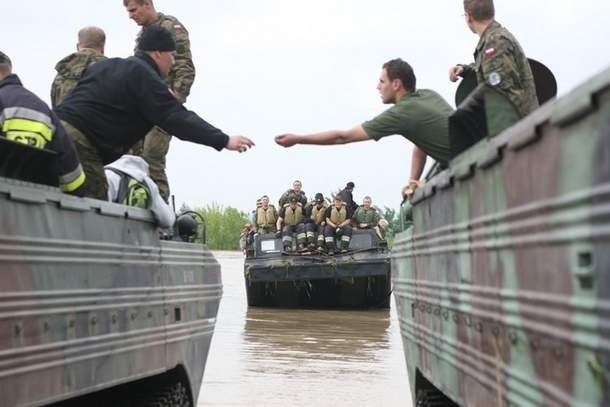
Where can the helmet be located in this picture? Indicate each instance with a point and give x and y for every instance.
(187, 227)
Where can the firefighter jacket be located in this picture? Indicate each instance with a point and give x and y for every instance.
(25, 118)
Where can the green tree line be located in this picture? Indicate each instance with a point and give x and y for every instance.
(223, 225)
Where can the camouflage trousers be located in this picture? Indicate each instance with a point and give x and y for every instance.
(153, 150)
(96, 185)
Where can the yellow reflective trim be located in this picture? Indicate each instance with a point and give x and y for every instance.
(33, 129)
(31, 139)
(73, 185)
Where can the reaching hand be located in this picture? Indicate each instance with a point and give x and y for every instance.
(409, 190)
(239, 143)
(287, 140)
(455, 72)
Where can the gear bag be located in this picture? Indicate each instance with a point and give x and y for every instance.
(132, 192)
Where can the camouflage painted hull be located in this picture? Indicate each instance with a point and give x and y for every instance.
(502, 284)
(91, 299)
(353, 280)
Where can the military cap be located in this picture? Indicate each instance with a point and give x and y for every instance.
(350, 185)
(319, 197)
(293, 199)
(156, 38)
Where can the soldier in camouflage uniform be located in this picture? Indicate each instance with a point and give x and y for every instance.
(180, 79)
(89, 49)
(297, 192)
(366, 217)
(499, 59)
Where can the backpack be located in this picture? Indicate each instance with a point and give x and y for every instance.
(132, 192)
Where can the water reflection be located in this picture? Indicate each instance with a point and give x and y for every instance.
(309, 336)
(274, 357)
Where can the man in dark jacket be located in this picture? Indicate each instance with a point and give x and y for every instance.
(26, 119)
(348, 196)
(119, 100)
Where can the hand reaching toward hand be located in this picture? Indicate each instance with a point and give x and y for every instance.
(287, 140)
(239, 143)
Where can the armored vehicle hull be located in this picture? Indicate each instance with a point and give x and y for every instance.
(359, 278)
(502, 283)
(94, 308)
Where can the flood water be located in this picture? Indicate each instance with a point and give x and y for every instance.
(274, 357)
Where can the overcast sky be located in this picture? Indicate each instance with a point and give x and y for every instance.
(268, 67)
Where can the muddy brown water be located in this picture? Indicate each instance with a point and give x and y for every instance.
(274, 357)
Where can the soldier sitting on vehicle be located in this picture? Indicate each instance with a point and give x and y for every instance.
(295, 191)
(253, 211)
(291, 218)
(338, 218)
(245, 236)
(366, 217)
(266, 216)
(315, 220)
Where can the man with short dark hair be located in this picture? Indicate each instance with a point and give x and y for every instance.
(337, 232)
(119, 100)
(499, 59)
(266, 216)
(180, 79)
(315, 220)
(89, 50)
(26, 119)
(419, 115)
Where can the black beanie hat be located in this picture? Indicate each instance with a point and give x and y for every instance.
(156, 38)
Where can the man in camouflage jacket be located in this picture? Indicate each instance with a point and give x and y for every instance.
(499, 59)
(89, 49)
(179, 80)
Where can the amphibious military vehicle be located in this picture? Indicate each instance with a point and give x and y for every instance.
(502, 282)
(94, 308)
(359, 278)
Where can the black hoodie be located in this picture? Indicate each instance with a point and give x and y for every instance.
(119, 100)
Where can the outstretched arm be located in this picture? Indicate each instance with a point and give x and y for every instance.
(418, 162)
(330, 137)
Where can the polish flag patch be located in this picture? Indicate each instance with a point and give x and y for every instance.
(490, 52)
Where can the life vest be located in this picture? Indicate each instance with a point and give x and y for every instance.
(318, 215)
(338, 216)
(293, 217)
(132, 192)
(265, 217)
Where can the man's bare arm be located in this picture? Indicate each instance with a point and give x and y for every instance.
(329, 137)
(418, 162)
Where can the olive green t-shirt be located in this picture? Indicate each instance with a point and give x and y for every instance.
(421, 117)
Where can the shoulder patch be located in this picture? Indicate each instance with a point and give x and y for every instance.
(490, 52)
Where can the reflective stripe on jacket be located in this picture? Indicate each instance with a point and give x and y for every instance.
(25, 118)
